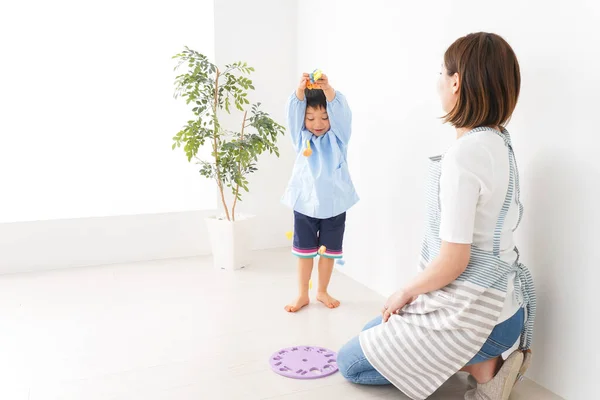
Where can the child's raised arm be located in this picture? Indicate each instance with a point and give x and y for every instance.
(296, 110)
(340, 115)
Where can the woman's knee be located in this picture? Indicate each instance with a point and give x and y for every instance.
(344, 357)
(374, 322)
(350, 356)
(349, 373)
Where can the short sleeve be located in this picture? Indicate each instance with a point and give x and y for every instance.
(466, 168)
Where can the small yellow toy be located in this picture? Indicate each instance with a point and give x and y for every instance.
(289, 235)
(322, 250)
(310, 284)
(314, 77)
(308, 151)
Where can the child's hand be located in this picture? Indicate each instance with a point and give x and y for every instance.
(323, 83)
(303, 81)
(300, 90)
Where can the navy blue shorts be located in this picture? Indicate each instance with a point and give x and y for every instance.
(312, 233)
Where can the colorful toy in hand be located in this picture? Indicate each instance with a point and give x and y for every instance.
(313, 78)
(307, 152)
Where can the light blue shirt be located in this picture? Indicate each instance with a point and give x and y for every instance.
(320, 186)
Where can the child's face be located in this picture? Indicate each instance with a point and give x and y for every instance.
(316, 120)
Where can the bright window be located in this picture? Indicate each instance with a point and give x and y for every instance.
(86, 108)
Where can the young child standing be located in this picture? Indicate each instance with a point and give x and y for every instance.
(320, 190)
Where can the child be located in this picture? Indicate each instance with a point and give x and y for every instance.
(320, 190)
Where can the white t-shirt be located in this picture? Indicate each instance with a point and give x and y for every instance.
(473, 185)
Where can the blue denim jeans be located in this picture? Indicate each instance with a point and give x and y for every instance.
(355, 367)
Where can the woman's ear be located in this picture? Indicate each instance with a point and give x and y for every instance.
(455, 83)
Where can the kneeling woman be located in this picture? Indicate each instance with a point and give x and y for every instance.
(472, 298)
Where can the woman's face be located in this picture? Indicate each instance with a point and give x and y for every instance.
(448, 87)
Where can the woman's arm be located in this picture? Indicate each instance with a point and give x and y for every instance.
(467, 170)
(443, 270)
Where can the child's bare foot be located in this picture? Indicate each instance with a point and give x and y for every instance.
(300, 302)
(326, 299)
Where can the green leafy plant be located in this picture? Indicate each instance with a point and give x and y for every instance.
(234, 153)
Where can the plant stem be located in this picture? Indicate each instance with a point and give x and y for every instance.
(237, 186)
(215, 146)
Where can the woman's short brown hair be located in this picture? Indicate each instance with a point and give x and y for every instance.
(490, 80)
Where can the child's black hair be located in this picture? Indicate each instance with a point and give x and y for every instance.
(315, 98)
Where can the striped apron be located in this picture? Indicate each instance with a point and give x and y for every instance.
(432, 338)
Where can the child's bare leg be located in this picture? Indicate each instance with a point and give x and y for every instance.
(305, 266)
(325, 270)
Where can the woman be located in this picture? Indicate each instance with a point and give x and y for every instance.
(472, 299)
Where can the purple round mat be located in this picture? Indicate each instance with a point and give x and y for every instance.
(304, 362)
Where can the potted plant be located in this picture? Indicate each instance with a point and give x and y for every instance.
(212, 91)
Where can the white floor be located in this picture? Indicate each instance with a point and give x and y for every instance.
(177, 330)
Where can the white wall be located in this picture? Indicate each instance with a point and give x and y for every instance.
(385, 56)
(263, 33)
(87, 173)
(157, 181)
(87, 108)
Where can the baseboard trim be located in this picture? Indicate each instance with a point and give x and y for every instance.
(45, 245)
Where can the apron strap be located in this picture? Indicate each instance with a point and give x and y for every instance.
(524, 287)
(513, 165)
(525, 290)
(512, 178)
(513, 188)
(507, 199)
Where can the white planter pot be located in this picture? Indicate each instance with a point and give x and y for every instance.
(231, 241)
